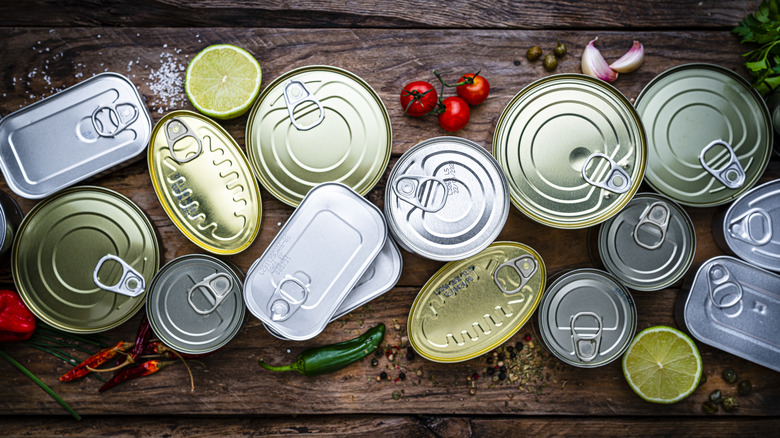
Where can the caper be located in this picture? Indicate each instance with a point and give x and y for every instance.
(703, 379)
(560, 49)
(550, 62)
(533, 53)
(716, 396)
(730, 404)
(729, 375)
(709, 407)
(745, 387)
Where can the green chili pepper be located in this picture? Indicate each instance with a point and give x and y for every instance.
(330, 358)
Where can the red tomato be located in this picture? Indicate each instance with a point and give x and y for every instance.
(476, 92)
(456, 114)
(418, 98)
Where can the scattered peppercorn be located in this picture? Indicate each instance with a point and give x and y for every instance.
(502, 369)
(396, 395)
(709, 407)
(519, 346)
(402, 376)
(390, 357)
(515, 62)
(409, 356)
(410, 350)
(474, 376)
(489, 360)
(374, 362)
(716, 396)
(550, 63)
(379, 352)
(513, 356)
(745, 387)
(501, 356)
(730, 376)
(473, 391)
(533, 53)
(383, 375)
(730, 404)
(501, 376)
(560, 49)
(491, 371)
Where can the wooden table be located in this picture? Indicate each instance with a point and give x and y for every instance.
(46, 46)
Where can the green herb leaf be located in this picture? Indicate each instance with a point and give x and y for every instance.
(762, 28)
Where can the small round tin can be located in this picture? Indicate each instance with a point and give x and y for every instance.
(195, 303)
(10, 218)
(587, 318)
(472, 306)
(318, 124)
(83, 258)
(649, 245)
(573, 150)
(446, 199)
(709, 134)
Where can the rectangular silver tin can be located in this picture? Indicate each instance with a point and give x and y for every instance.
(65, 138)
(10, 218)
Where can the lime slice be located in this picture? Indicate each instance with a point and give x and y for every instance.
(223, 81)
(662, 365)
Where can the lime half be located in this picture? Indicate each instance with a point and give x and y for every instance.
(662, 365)
(223, 81)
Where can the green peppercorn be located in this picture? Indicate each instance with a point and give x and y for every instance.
(533, 53)
(560, 49)
(730, 404)
(709, 407)
(396, 395)
(716, 396)
(550, 63)
(729, 375)
(745, 387)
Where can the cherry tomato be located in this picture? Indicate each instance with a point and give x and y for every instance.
(475, 93)
(456, 114)
(418, 98)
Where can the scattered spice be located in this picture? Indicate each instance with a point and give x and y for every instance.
(730, 404)
(374, 362)
(396, 395)
(533, 53)
(716, 396)
(745, 387)
(560, 49)
(730, 376)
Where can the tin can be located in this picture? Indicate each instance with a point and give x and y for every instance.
(748, 227)
(204, 182)
(472, 306)
(709, 134)
(573, 150)
(318, 124)
(319, 255)
(649, 245)
(10, 218)
(733, 306)
(587, 318)
(446, 199)
(65, 138)
(195, 303)
(83, 258)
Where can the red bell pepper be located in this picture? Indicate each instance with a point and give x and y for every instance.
(17, 323)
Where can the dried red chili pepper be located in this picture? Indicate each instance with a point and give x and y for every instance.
(95, 361)
(141, 342)
(144, 369)
(17, 323)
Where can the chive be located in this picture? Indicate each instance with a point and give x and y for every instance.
(99, 341)
(64, 357)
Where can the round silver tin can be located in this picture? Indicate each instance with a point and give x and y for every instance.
(10, 218)
(446, 199)
(587, 318)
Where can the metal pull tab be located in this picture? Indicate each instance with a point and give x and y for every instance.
(131, 282)
(617, 180)
(586, 346)
(176, 130)
(724, 292)
(288, 296)
(731, 175)
(218, 285)
(110, 120)
(525, 266)
(295, 93)
(754, 227)
(655, 221)
(424, 192)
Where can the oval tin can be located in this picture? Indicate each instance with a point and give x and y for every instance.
(318, 124)
(315, 260)
(734, 307)
(750, 226)
(204, 182)
(573, 150)
(83, 258)
(472, 306)
(79, 132)
(10, 218)
(446, 199)
(195, 303)
(709, 134)
(649, 245)
(587, 318)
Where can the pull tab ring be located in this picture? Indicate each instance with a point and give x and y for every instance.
(655, 217)
(120, 115)
(743, 227)
(296, 93)
(581, 340)
(731, 175)
(421, 192)
(219, 285)
(525, 266)
(720, 283)
(617, 180)
(175, 130)
(282, 303)
(131, 283)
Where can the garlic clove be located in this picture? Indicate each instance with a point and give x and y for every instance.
(631, 60)
(593, 64)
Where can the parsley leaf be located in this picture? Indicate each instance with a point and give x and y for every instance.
(762, 28)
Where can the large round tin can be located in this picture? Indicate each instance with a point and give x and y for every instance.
(709, 134)
(318, 124)
(10, 218)
(573, 150)
(195, 303)
(446, 199)
(83, 258)
(649, 245)
(472, 306)
(204, 182)
(587, 318)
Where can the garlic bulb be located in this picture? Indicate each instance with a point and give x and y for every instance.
(593, 64)
(631, 60)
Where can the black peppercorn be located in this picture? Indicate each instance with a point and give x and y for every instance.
(519, 346)
(501, 376)
(374, 362)
(490, 371)
(402, 376)
(383, 375)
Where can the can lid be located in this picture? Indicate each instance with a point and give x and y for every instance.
(650, 244)
(573, 150)
(749, 229)
(446, 199)
(709, 134)
(83, 259)
(587, 318)
(204, 182)
(317, 124)
(195, 305)
(472, 306)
